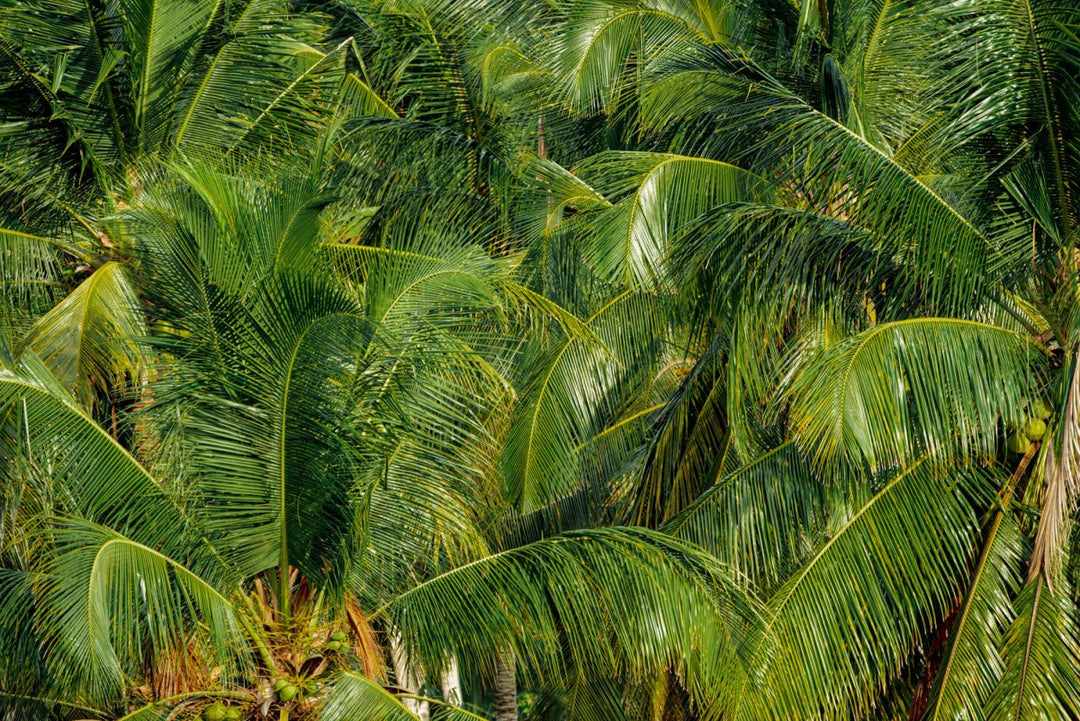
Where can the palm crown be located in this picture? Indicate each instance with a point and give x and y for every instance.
(693, 359)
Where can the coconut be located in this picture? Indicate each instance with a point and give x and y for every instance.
(280, 684)
(1040, 410)
(287, 693)
(233, 714)
(214, 712)
(1036, 429)
(1018, 443)
(338, 636)
(334, 645)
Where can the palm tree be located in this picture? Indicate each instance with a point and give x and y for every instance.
(302, 464)
(875, 259)
(95, 96)
(538, 307)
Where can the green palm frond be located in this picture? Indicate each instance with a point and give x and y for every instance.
(761, 518)
(1027, 68)
(161, 35)
(601, 38)
(837, 172)
(570, 388)
(690, 448)
(585, 594)
(91, 338)
(933, 385)
(839, 628)
(971, 668)
(654, 196)
(106, 597)
(355, 695)
(1041, 658)
(100, 480)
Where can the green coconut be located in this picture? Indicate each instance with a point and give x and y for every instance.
(215, 712)
(280, 684)
(287, 693)
(1041, 410)
(338, 636)
(233, 714)
(1018, 443)
(1036, 429)
(334, 645)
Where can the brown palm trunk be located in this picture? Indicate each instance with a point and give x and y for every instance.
(506, 708)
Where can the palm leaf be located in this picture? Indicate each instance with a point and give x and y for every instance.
(972, 668)
(850, 404)
(761, 518)
(91, 338)
(587, 594)
(839, 628)
(1041, 659)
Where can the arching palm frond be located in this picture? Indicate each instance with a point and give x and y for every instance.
(586, 595)
(761, 518)
(962, 379)
(90, 339)
(840, 626)
(1041, 658)
(971, 667)
(570, 387)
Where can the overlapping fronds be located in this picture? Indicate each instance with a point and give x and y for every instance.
(569, 388)
(107, 599)
(972, 668)
(761, 518)
(624, 599)
(840, 626)
(337, 336)
(654, 196)
(819, 162)
(929, 385)
(91, 338)
(1041, 659)
(99, 479)
(356, 696)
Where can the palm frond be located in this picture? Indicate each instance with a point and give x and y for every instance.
(962, 378)
(90, 340)
(840, 627)
(586, 594)
(971, 668)
(1041, 659)
(762, 518)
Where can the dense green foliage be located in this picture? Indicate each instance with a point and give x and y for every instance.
(570, 359)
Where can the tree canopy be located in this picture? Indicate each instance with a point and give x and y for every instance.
(552, 360)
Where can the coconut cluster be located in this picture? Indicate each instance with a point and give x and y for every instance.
(1032, 428)
(337, 641)
(218, 711)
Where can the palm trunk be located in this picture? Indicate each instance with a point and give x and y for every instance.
(506, 708)
(408, 677)
(451, 683)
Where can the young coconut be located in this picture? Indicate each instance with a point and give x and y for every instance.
(1018, 443)
(1036, 429)
(338, 636)
(333, 645)
(232, 714)
(280, 684)
(1040, 410)
(215, 712)
(287, 693)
